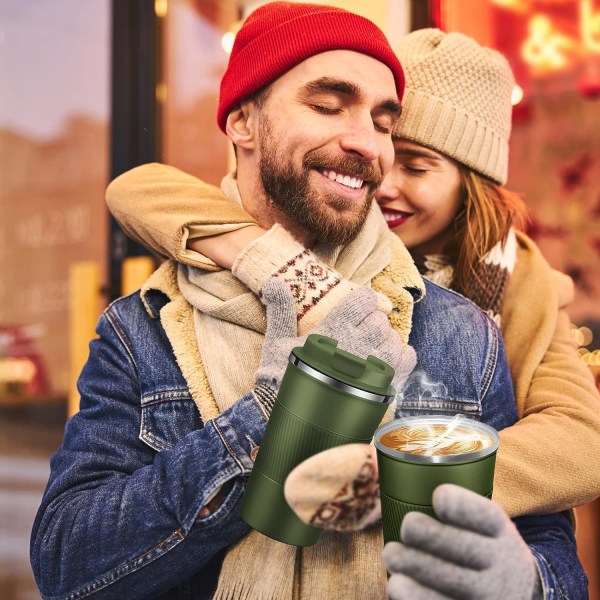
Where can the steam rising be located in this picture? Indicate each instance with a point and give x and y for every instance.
(419, 387)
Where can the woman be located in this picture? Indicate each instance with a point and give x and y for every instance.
(444, 199)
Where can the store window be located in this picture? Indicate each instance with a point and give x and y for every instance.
(553, 47)
(194, 60)
(54, 111)
(54, 161)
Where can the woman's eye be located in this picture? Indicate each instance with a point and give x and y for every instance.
(414, 170)
(326, 110)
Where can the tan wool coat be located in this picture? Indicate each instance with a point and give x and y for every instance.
(549, 460)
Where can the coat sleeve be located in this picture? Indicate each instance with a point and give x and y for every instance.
(155, 204)
(121, 520)
(549, 460)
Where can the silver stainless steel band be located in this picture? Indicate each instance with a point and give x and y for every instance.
(335, 383)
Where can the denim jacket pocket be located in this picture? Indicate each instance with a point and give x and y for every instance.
(167, 416)
(422, 395)
(411, 407)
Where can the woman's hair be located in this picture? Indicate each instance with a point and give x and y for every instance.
(488, 213)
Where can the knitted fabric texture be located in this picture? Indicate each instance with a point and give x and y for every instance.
(493, 271)
(337, 489)
(457, 99)
(308, 279)
(227, 315)
(278, 254)
(278, 36)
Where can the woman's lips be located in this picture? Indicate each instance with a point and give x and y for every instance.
(395, 218)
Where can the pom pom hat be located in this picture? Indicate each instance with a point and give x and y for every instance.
(278, 36)
(457, 99)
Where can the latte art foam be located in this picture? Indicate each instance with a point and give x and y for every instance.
(436, 440)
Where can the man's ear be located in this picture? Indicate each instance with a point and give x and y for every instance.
(241, 125)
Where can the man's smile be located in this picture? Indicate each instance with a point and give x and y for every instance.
(347, 180)
(344, 176)
(344, 184)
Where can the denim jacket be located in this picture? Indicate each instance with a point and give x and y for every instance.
(122, 516)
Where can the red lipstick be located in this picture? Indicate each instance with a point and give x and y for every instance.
(394, 218)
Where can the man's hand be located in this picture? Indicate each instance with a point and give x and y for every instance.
(362, 328)
(357, 322)
(473, 552)
(280, 338)
(337, 489)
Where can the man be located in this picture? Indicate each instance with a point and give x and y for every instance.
(143, 499)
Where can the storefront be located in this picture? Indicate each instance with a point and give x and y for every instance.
(92, 89)
(97, 88)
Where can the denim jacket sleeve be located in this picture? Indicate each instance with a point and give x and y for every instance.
(552, 542)
(461, 366)
(114, 505)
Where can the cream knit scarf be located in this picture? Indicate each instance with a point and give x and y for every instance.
(228, 316)
(494, 270)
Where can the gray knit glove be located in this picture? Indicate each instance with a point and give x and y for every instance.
(280, 338)
(473, 552)
(362, 328)
(356, 322)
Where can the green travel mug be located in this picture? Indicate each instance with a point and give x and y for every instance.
(328, 397)
(416, 454)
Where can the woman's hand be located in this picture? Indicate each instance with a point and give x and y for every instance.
(224, 248)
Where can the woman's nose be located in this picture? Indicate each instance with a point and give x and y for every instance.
(388, 190)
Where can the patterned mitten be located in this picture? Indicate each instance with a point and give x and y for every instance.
(337, 489)
(276, 254)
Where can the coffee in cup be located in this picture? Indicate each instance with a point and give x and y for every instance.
(436, 439)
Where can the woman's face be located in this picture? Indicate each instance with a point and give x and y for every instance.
(420, 197)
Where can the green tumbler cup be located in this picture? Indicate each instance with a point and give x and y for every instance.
(416, 454)
(328, 397)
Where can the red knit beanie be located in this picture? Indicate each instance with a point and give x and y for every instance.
(279, 35)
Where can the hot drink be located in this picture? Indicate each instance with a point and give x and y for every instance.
(436, 439)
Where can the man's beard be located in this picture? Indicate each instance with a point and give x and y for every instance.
(327, 217)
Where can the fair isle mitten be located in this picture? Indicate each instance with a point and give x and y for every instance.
(337, 489)
(277, 254)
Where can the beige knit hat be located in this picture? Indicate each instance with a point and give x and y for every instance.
(457, 99)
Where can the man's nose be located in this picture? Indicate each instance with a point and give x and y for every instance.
(361, 138)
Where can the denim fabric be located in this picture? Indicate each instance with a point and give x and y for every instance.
(560, 570)
(461, 365)
(121, 516)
